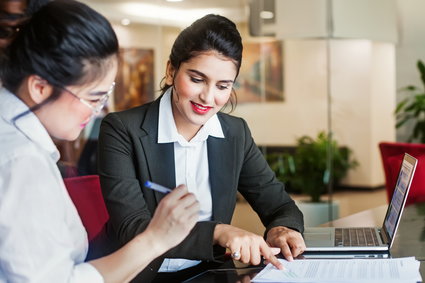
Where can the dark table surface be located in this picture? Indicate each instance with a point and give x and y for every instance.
(409, 241)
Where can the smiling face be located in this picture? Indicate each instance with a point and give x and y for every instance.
(65, 117)
(200, 88)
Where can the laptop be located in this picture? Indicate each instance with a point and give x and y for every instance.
(363, 240)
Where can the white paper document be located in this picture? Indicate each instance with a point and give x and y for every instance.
(346, 270)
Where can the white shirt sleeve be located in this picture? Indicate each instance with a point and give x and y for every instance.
(41, 236)
(85, 272)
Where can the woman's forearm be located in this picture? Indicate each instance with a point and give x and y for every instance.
(124, 264)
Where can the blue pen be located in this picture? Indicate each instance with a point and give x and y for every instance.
(156, 187)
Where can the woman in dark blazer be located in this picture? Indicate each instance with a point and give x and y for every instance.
(183, 138)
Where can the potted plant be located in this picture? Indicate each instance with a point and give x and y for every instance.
(312, 174)
(412, 108)
(306, 171)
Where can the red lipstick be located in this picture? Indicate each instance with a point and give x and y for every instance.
(200, 109)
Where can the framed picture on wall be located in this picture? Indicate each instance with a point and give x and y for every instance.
(134, 84)
(261, 75)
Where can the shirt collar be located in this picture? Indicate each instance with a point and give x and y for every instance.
(167, 130)
(10, 107)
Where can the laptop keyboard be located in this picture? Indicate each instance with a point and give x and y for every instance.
(355, 237)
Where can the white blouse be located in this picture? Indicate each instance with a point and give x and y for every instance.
(191, 165)
(42, 238)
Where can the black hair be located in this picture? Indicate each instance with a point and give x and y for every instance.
(34, 5)
(211, 32)
(65, 43)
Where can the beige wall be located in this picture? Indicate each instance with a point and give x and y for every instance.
(363, 100)
(363, 104)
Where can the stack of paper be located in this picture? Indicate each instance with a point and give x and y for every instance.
(338, 270)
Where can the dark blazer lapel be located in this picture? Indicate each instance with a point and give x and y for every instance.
(221, 164)
(159, 157)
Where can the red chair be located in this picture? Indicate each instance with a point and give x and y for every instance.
(86, 194)
(392, 155)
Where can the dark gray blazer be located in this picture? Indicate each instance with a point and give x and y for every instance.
(129, 155)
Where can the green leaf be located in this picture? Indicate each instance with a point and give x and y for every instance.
(421, 68)
(401, 105)
(291, 164)
(403, 121)
(411, 107)
(409, 88)
(418, 130)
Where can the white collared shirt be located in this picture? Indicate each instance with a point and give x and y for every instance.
(42, 238)
(191, 165)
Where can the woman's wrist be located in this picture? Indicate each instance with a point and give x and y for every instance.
(218, 231)
(153, 241)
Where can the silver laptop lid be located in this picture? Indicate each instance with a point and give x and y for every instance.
(398, 199)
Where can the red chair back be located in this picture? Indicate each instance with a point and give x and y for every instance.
(86, 194)
(392, 155)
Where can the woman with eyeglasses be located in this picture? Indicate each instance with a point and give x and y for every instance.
(57, 74)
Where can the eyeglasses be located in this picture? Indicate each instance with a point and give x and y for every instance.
(95, 105)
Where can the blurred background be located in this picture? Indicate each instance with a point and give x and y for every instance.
(322, 74)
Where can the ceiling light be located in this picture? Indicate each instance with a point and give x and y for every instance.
(155, 13)
(266, 15)
(125, 22)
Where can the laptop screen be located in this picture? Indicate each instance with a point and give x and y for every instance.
(399, 195)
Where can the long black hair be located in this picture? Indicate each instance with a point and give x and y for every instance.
(65, 42)
(211, 32)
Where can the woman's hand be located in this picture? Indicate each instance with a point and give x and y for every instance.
(290, 242)
(174, 218)
(248, 246)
